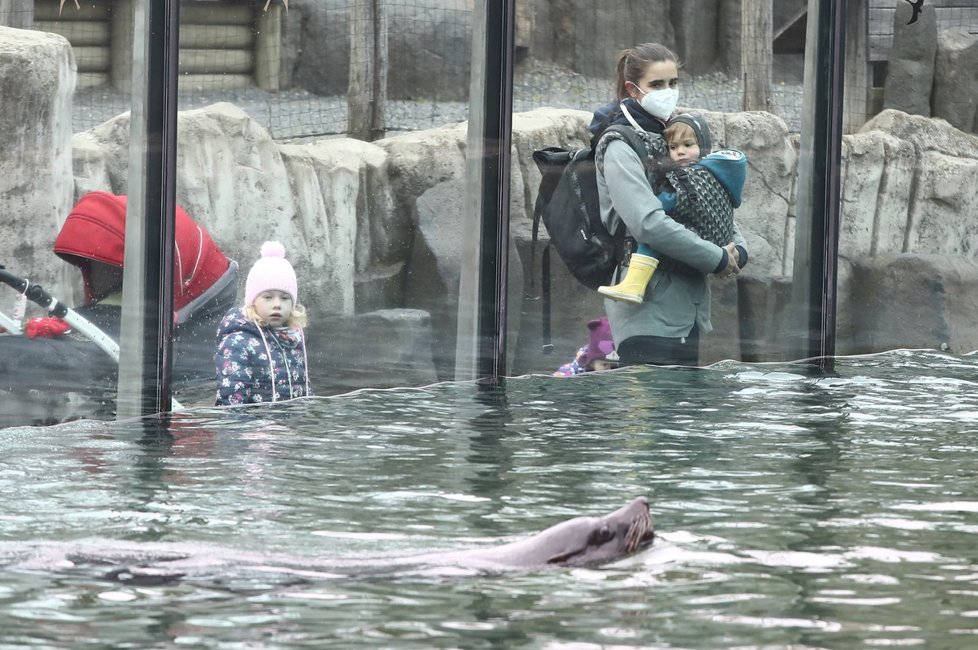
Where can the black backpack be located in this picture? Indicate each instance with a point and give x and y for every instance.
(567, 202)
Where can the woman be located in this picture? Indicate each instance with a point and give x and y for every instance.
(665, 328)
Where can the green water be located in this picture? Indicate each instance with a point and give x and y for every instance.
(792, 510)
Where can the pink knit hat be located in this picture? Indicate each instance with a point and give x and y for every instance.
(271, 272)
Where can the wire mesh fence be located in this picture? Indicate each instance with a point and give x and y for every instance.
(317, 67)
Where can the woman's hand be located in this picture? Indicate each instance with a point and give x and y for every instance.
(733, 262)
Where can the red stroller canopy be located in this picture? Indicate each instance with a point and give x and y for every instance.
(95, 232)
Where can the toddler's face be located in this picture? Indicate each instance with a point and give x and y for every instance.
(685, 151)
(274, 307)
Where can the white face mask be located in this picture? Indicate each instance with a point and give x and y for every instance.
(660, 103)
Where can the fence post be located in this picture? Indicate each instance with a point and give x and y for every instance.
(268, 48)
(857, 78)
(366, 95)
(756, 54)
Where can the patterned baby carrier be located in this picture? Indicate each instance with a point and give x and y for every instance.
(702, 204)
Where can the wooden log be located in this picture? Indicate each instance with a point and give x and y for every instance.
(366, 96)
(268, 49)
(91, 79)
(858, 80)
(216, 62)
(214, 82)
(91, 58)
(78, 32)
(756, 54)
(217, 13)
(231, 37)
(122, 44)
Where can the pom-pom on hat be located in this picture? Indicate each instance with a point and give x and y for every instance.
(271, 272)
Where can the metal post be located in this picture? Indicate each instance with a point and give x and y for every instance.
(147, 314)
(818, 206)
(488, 166)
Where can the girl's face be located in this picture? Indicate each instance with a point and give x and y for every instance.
(274, 307)
(658, 76)
(684, 151)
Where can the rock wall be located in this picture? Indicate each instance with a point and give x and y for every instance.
(931, 72)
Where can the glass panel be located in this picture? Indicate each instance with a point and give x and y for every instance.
(887, 178)
(341, 131)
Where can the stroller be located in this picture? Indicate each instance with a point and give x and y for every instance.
(75, 375)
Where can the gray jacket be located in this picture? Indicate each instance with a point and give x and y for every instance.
(674, 302)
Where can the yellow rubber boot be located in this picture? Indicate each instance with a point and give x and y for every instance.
(632, 287)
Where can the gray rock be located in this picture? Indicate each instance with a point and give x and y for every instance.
(37, 79)
(379, 349)
(910, 66)
(956, 80)
(912, 301)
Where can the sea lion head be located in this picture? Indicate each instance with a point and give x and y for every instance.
(585, 541)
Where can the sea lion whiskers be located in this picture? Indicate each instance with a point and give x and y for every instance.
(638, 532)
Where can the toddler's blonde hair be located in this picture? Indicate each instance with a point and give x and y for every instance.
(298, 318)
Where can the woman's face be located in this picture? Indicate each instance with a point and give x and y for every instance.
(658, 76)
(274, 307)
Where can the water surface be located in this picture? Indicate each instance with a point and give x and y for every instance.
(793, 510)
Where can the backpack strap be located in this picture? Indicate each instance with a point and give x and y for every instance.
(545, 288)
(551, 162)
(648, 146)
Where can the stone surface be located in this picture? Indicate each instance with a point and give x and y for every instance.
(955, 95)
(35, 153)
(910, 66)
(913, 301)
(383, 348)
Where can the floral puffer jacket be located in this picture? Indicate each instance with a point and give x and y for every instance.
(258, 364)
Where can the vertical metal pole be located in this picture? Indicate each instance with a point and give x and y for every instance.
(145, 362)
(819, 175)
(498, 132)
(482, 289)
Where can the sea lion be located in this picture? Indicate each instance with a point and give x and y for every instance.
(581, 541)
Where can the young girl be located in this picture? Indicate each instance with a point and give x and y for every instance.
(700, 192)
(597, 354)
(261, 351)
(665, 328)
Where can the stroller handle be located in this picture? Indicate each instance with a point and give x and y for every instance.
(34, 292)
